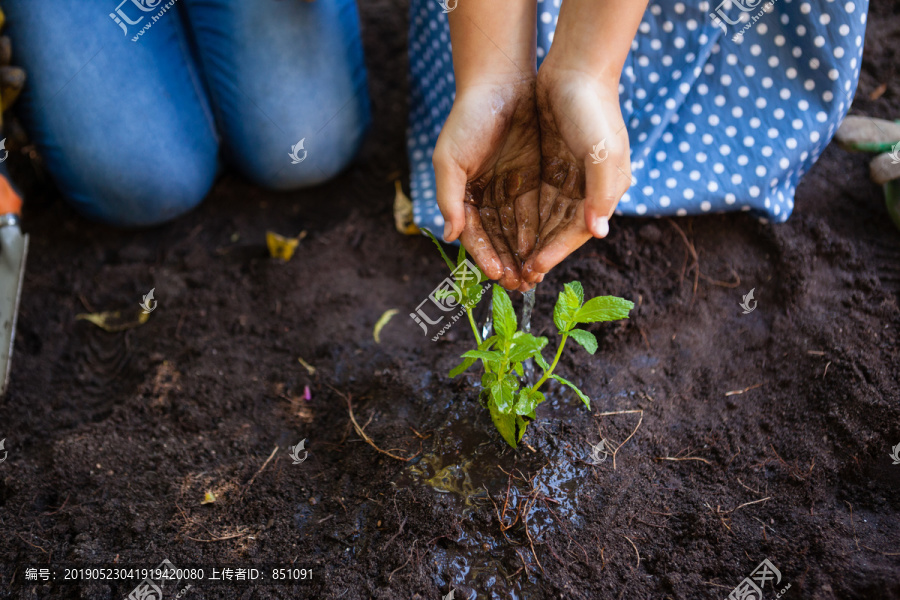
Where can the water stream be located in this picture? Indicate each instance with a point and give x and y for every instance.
(525, 325)
(487, 329)
(524, 320)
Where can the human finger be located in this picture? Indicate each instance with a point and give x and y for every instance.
(606, 181)
(563, 243)
(450, 183)
(477, 242)
(491, 220)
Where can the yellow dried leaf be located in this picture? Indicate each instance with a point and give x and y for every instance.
(208, 498)
(114, 321)
(387, 316)
(309, 368)
(280, 246)
(403, 212)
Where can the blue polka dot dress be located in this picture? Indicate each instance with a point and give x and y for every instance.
(727, 105)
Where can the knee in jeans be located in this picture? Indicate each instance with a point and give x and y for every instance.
(325, 154)
(158, 192)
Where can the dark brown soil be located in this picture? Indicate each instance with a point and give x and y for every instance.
(114, 438)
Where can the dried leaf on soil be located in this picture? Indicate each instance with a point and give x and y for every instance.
(309, 368)
(282, 247)
(114, 321)
(403, 212)
(387, 316)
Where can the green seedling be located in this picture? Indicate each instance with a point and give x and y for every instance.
(512, 406)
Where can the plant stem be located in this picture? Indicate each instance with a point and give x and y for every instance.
(474, 328)
(549, 371)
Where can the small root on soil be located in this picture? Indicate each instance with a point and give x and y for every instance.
(675, 458)
(794, 471)
(746, 389)
(362, 433)
(238, 534)
(252, 479)
(724, 513)
(635, 551)
(623, 412)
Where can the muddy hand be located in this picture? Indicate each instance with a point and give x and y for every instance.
(504, 210)
(585, 165)
(487, 163)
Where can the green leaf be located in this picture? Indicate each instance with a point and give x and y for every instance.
(462, 367)
(566, 307)
(467, 277)
(440, 249)
(462, 255)
(517, 367)
(574, 294)
(487, 380)
(604, 308)
(528, 401)
(486, 344)
(503, 391)
(505, 424)
(525, 346)
(473, 295)
(522, 424)
(539, 359)
(444, 294)
(585, 399)
(485, 355)
(505, 323)
(585, 338)
(559, 317)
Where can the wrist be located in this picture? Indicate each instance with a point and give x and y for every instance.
(494, 72)
(601, 68)
(510, 84)
(493, 42)
(594, 37)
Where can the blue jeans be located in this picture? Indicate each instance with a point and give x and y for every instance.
(134, 104)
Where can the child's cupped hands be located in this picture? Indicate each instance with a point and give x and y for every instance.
(527, 171)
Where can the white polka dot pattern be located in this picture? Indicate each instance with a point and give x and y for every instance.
(716, 123)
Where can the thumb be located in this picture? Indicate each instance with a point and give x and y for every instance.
(450, 182)
(605, 183)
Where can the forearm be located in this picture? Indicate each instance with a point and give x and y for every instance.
(493, 41)
(594, 36)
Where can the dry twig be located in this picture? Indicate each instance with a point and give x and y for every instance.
(693, 252)
(242, 533)
(408, 558)
(794, 471)
(749, 503)
(747, 389)
(675, 458)
(360, 431)
(252, 479)
(635, 551)
(725, 284)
